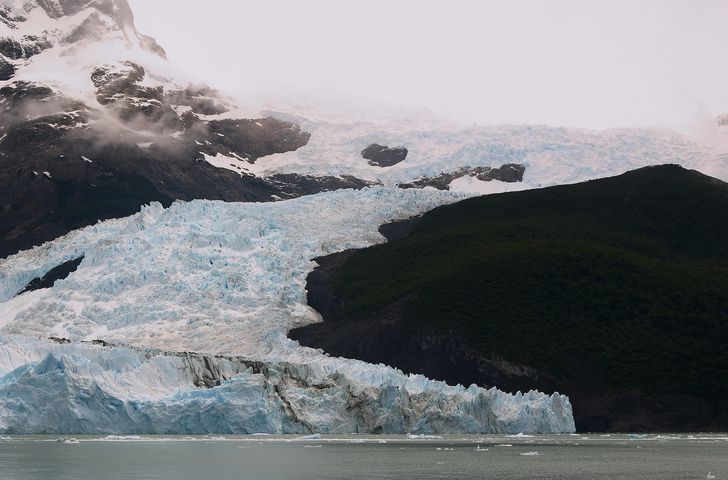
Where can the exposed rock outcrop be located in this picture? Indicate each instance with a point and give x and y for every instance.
(382, 156)
(294, 185)
(509, 172)
(7, 69)
(28, 46)
(49, 279)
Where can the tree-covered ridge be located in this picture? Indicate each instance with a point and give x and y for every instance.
(628, 274)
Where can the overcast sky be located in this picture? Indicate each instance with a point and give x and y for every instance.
(560, 62)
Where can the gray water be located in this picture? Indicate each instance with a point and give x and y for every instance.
(365, 457)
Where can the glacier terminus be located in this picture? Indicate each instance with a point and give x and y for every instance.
(175, 322)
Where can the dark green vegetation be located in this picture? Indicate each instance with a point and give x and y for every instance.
(605, 287)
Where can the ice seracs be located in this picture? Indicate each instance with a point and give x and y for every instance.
(225, 281)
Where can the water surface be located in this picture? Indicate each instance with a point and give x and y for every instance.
(365, 457)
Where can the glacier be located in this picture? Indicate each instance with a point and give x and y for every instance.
(91, 389)
(552, 155)
(176, 321)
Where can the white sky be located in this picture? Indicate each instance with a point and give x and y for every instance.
(581, 63)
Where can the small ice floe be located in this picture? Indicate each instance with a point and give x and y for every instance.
(710, 476)
(47, 174)
(504, 445)
(315, 436)
(530, 454)
(519, 435)
(445, 449)
(422, 436)
(86, 159)
(68, 441)
(260, 434)
(122, 438)
(312, 446)
(478, 448)
(5, 439)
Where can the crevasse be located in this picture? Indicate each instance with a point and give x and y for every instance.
(226, 281)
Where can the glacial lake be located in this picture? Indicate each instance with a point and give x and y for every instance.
(366, 457)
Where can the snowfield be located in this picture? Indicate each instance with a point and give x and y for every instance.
(552, 155)
(226, 281)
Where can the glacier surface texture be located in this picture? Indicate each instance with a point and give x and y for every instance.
(177, 322)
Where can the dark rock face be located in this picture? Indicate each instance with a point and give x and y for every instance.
(723, 120)
(15, 95)
(7, 69)
(27, 47)
(510, 172)
(292, 185)
(118, 87)
(249, 139)
(60, 272)
(381, 156)
(6, 16)
(11, 48)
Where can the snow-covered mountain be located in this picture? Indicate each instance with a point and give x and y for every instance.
(96, 123)
(93, 116)
(174, 319)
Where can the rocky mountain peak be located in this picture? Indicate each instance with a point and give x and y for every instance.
(30, 27)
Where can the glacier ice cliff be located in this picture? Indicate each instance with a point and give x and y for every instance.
(225, 281)
(90, 389)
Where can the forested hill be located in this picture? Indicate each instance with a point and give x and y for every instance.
(613, 291)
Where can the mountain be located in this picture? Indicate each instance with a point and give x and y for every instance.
(612, 291)
(94, 126)
(96, 123)
(156, 235)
